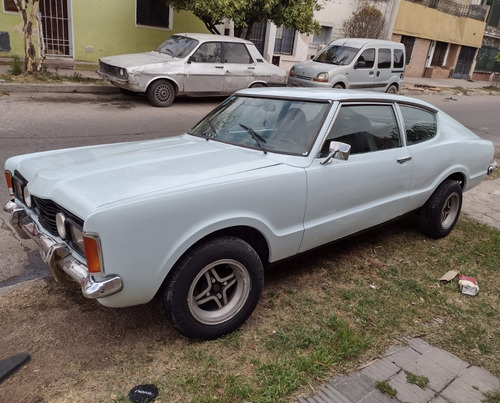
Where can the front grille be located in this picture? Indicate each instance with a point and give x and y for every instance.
(46, 210)
(111, 70)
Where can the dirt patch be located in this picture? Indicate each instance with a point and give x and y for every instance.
(67, 336)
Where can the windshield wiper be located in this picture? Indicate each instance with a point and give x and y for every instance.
(256, 136)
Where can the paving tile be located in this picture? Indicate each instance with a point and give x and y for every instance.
(333, 395)
(439, 366)
(356, 386)
(377, 397)
(380, 370)
(404, 357)
(420, 346)
(471, 386)
(408, 392)
(439, 399)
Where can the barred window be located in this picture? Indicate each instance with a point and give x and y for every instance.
(152, 13)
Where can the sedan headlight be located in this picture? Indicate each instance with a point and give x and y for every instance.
(76, 236)
(322, 77)
(27, 196)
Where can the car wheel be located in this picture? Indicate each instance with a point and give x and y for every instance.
(440, 213)
(258, 85)
(393, 89)
(338, 86)
(161, 93)
(214, 288)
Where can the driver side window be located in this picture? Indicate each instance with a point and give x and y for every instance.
(366, 128)
(208, 52)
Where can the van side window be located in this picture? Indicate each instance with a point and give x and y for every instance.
(384, 58)
(420, 125)
(366, 60)
(366, 128)
(398, 59)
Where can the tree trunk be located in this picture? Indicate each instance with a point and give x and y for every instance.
(30, 63)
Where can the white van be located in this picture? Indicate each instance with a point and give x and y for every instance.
(353, 64)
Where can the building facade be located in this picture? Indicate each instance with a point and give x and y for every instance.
(85, 30)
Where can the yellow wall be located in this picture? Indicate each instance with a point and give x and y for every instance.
(103, 28)
(428, 23)
(107, 27)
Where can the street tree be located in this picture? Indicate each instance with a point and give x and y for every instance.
(297, 14)
(366, 22)
(29, 10)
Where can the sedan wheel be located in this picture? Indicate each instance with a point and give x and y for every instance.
(161, 93)
(440, 213)
(214, 288)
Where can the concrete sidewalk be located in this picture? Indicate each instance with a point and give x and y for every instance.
(451, 380)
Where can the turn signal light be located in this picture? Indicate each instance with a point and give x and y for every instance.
(8, 178)
(92, 247)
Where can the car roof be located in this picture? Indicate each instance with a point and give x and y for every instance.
(359, 42)
(213, 38)
(330, 94)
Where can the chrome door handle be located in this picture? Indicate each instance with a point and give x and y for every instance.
(403, 160)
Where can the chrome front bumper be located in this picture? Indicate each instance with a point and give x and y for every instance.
(58, 256)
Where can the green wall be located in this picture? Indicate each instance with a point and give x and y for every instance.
(103, 28)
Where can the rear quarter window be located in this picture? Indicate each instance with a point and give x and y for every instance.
(399, 59)
(420, 124)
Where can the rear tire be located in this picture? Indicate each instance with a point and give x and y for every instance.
(214, 288)
(338, 86)
(161, 93)
(440, 213)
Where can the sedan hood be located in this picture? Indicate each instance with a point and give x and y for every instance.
(89, 177)
(137, 59)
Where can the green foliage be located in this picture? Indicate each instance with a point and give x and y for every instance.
(16, 66)
(384, 387)
(244, 13)
(419, 380)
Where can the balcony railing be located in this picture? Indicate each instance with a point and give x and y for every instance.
(474, 11)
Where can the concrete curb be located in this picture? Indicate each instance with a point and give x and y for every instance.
(60, 88)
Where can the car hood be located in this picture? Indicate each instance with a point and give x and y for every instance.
(311, 68)
(83, 179)
(137, 59)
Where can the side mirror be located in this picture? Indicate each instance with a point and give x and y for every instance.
(191, 59)
(337, 150)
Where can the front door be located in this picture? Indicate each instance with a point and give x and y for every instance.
(464, 63)
(368, 189)
(55, 16)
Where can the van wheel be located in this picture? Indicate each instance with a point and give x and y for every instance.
(161, 93)
(393, 89)
(214, 288)
(338, 86)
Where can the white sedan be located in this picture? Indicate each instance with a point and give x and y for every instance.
(267, 175)
(192, 65)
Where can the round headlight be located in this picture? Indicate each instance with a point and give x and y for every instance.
(27, 196)
(61, 224)
(122, 72)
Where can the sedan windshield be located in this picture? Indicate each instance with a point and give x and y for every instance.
(177, 46)
(334, 54)
(271, 125)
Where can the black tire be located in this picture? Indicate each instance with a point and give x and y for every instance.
(338, 86)
(258, 85)
(440, 213)
(393, 89)
(161, 93)
(214, 288)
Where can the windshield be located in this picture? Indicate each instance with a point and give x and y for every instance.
(177, 46)
(271, 125)
(334, 54)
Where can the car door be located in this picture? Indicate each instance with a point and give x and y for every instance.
(362, 74)
(371, 187)
(383, 73)
(239, 67)
(205, 70)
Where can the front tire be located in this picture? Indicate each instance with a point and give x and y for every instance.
(440, 213)
(214, 288)
(393, 89)
(161, 93)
